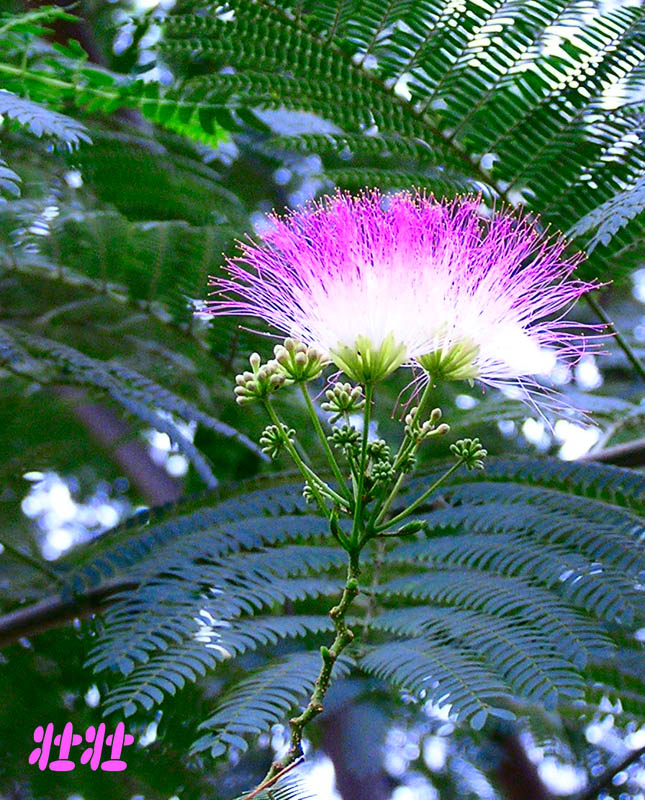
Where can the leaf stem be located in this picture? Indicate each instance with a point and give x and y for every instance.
(380, 513)
(323, 440)
(269, 781)
(413, 506)
(34, 563)
(620, 339)
(405, 444)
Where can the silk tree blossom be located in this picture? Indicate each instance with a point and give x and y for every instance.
(376, 282)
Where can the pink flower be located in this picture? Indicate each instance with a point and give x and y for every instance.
(376, 282)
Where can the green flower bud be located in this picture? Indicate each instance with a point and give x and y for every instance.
(408, 463)
(382, 472)
(263, 381)
(379, 450)
(343, 399)
(299, 362)
(345, 438)
(418, 431)
(273, 439)
(470, 452)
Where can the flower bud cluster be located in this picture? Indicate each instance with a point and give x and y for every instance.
(345, 438)
(273, 439)
(260, 383)
(470, 452)
(299, 362)
(309, 494)
(381, 468)
(408, 462)
(418, 431)
(343, 399)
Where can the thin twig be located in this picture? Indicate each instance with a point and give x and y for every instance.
(34, 563)
(626, 454)
(607, 777)
(266, 784)
(620, 339)
(55, 610)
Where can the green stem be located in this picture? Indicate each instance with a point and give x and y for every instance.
(407, 441)
(413, 506)
(380, 513)
(55, 83)
(344, 637)
(358, 500)
(407, 446)
(308, 474)
(32, 562)
(323, 440)
(620, 339)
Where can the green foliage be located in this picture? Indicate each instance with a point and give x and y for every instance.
(9, 180)
(255, 703)
(612, 215)
(506, 597)
(143, 398)
(421, 93)
(515, 590)
(42, 121)
(520, 111)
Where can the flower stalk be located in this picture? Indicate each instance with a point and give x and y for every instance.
(329, 655)
(325, 444)
(372, 284)
(317, 485)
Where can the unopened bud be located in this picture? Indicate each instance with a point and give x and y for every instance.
(299, 362)
(274, 438)
(470, 452)
(418, 431)
(265, 379)
(343, 399)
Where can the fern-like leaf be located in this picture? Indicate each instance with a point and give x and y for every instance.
(42, 121)
(502, 600)
(612, 215)
(440, 675)
(261, 700)
(9, 180)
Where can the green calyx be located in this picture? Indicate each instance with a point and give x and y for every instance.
(453, 363)
(365, 363)
(299, 361)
